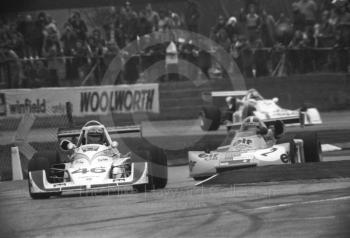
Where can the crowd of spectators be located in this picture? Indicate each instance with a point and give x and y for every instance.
(259, 42)
(321, 28)
(39, 44)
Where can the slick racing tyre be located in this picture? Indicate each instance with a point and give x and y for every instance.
(42, 161)
(210, 118)
(312, 147)
(157, 170)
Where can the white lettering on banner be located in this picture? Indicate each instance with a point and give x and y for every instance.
(100, 100)
(117, 101)
(27, 106)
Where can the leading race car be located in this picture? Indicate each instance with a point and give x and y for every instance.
(95, 162)
(256, 143)
(241, 104)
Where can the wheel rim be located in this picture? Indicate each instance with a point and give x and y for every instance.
(320, 155)
(201, 120)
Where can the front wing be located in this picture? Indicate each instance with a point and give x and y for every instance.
(38, 182)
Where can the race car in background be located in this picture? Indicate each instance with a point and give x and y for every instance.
(256, 143)
(95, 162)
(241, 104)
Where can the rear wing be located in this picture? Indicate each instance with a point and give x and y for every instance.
(270, 122)
(219, 96)
(229, 93)
(75, 132)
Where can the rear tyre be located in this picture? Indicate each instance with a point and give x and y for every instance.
(157, 170)
(312, 147)
(210, 118)
(42, 161)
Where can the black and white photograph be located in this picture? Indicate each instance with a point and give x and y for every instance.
(174, 118)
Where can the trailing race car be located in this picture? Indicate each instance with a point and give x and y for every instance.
(95, 162)
(256, 143)
(241, 104)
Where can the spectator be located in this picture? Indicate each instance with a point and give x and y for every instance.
(299, 20)
(152, 17)
(253, 22)
(32, 35)
(343, 24)
(69, 39)
(222, 38)
(325, 31)
(51, 35)
(175, 19)
(308, 9)
(192, 16)
(82, 59)
(232, 29)
(268, 26)
(284, 30)
(98, 50)
(131, 21)
(261, 59)
(219, 25)
(164, 23)
(97, 43)
(144, 25)
(55, 65)
(78, 26)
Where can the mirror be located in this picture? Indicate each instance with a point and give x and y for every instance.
(275, 100)
(67, 145)
(114, 144)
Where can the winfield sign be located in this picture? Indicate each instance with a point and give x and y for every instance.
(85, 100)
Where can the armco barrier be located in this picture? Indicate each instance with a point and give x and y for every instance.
(183, 100)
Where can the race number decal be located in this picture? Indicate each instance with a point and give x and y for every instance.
(93, 170)
(269, 152)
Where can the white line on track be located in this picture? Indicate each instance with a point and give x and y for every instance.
(301, 203)
(303, 218)
(201, 182)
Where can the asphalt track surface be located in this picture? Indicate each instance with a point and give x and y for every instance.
(299, 208)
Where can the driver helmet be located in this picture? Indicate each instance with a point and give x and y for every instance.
(95, 136)
(250, 123)
(254, 94)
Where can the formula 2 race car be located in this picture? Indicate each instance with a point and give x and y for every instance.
(95, 162)
(241, 104)
(256, 143)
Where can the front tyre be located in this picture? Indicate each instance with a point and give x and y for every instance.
(157, 170)
(312, 147)
(42, 161)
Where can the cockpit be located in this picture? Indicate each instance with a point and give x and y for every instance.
(252, 125)
(94, 135)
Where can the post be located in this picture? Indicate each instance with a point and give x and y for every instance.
(16, 164)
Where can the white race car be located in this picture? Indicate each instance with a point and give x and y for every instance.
(256, 143)
(95, 162)
(241, 104)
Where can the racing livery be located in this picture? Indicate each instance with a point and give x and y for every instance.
(256, 144)
(241, 104)
(94, 162)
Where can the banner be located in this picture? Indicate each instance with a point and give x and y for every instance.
(99, 100)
